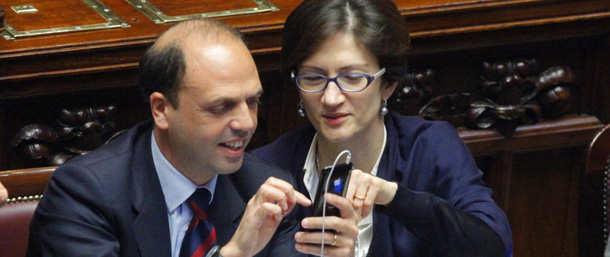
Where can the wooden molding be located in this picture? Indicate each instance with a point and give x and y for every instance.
(78, 131)
(36, 178)
(509, 94)
(2, 14)
(563, 132)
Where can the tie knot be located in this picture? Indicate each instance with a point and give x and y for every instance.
(199, 203)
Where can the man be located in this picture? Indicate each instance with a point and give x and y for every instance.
(3, 194)
(132, 197)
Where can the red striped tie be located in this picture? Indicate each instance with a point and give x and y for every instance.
(200, 236)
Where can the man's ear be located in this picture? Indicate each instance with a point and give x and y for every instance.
(159, 106)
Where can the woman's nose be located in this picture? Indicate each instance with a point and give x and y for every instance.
(332, 95)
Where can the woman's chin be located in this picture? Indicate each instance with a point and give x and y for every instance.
(336, 136)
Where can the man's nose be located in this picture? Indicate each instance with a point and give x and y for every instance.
(245, 119)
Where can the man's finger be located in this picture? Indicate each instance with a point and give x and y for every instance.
(316, 237)
(271, 194)
(330, 222)
(284, 186)
(302, 199)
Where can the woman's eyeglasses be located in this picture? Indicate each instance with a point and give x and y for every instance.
(347, 82)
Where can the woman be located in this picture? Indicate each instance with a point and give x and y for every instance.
(416, 186)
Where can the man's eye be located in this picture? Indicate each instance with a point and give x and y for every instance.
(217, 110)
(221, 108)
(254, 102)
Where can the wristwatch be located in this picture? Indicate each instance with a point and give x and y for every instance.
(214, 252)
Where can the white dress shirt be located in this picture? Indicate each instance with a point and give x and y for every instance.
(312, 178)
(176, 190)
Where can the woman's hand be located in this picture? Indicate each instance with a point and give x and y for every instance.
(340, 234)
(367, 190)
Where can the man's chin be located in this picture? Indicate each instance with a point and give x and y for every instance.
(231, 164)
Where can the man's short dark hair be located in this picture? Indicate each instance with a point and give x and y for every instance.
(163, 66)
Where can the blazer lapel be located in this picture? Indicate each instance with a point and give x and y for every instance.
(381, 245)
(226, 209)
(151, 226)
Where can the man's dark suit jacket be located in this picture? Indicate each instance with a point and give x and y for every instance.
(109, 203)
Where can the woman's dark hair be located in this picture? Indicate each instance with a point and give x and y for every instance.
(376, 24)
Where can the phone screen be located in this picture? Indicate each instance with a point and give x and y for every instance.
(337, 185)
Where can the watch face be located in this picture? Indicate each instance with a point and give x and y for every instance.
(217, 253)
(214, 252)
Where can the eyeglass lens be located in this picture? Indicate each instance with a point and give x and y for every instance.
(347, 82)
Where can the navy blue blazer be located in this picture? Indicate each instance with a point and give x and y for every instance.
(109, 203)
(441, 208)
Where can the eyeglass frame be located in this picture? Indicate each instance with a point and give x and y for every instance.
(369, 79)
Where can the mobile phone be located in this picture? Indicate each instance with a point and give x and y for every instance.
(337, 185)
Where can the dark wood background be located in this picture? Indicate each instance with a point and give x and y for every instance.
(65, 94)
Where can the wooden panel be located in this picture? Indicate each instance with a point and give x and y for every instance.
(601, 79)
(490, 15)
(50, 14)
(176, 8)
(543, 210)
(424, 20)
(591, 227)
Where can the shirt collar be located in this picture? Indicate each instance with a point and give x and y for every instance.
(311, 176)
(176, 187)
(311, 179)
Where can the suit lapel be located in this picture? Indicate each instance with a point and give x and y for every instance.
(151, 226)
(226, 209)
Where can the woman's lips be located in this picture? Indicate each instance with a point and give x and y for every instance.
(334, 119)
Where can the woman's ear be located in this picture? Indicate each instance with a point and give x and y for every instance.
(389, 90)
(159, 106)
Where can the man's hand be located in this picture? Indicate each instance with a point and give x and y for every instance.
(340, 232)
(3, 194)
(264, 213)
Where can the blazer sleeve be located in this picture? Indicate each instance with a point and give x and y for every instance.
(69, 221)
(445, 229)
(456, 216)
(283, 243)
